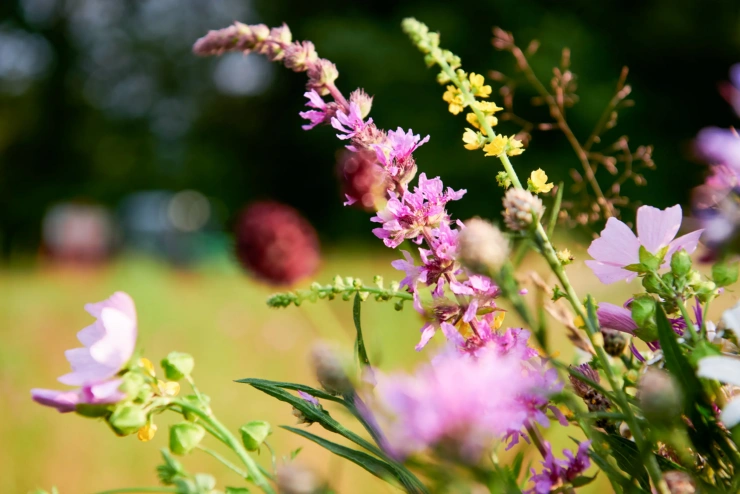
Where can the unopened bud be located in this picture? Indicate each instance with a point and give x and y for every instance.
(679, 482)
(482, 247)
(254, 434)
(330, 369)
(594, 400)
(177, 365)
(651, 283)
(363, 101)
(300, 55)
(185, 436)
(127, 419)
(614, 341)
(660, 397)
(724, 274)
(321, 75)
(293, 478)
(680, 263)
(643, 313)
(522, 209)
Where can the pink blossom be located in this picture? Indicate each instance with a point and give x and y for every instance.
(556, 472)
(719, 146)
(109, 344)
(394, 153)
(350, 124)
(317, 116)
(481, 291)
(618, 247)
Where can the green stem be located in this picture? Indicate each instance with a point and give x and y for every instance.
(226, 462)
(225, 435)
(681, 306)
(139, 489)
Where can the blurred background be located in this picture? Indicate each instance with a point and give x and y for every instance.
(124, 161)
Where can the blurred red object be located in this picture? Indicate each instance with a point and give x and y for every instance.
(77, 233)
(276, 243)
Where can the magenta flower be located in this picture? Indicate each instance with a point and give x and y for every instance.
(719, 146)
(109, 344)
(618, 247)
(349, 124)
(316, 116)
(615, 317)
(481, 291)
(556, 472)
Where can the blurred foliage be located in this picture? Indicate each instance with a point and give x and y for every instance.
(99, 99)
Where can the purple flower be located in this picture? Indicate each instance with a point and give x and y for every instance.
(719, 146)
(556, 472)
(481, 291)
(350, 124)
(309, 398)
(394, 153)
(317, 116)
(615, 317)
(412, 215)
(618, 247)
(109, 344)
(450, 403)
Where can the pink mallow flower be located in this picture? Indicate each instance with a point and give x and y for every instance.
(109, 344)
(618, 247)
(449, 404)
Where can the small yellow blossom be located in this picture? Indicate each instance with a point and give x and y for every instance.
(453, 97)
(579, 322)
(168, 388)
(147, 432)
(537, 182)
(471, 139)
(565, 257)
(478, 86)
(496, 147)
(499, 320)
(472, 119)
(147, 365)
(487, 106)
(515, 147)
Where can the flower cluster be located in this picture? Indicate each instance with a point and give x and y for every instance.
(557, 472)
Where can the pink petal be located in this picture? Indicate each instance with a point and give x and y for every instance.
(656, 228)
(105, 392)
(119, 300)
(427, 331)
(64, 401)
(687, 242)
(118, 345)
(617, 245)
(615, 317)
(452, 334)
(609, 273)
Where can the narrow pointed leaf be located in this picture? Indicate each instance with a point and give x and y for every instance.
(360, 350)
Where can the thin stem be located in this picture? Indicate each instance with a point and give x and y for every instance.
(225, 435)
(226, 462)
(190, 380)
(272, 457)
(337, 95)
(537, 439)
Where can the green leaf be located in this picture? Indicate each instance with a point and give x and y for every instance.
(236, 490)
(317, 393)
(636, 268)
(650, 261)
(583, 480)
(377, 467)
(360, 350)
(295, 452)
(627, 455)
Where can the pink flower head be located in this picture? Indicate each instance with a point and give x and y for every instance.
(350, 124)
(555, 472)
(411, 215)
(109, 344)
(481, 291)
(618, 247)
(317, 116)
(451, 403)
(394, 153)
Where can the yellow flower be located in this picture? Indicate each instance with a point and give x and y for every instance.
(537, 182)
(487, 106)
(454, 99)
(473, 120)
(478, 86)
(471, 139)
(565, 257)
(579, 322)
(147, 365)
(499, 320)
(147, 432)
(515, 148)
(496, 147)
(169, 388)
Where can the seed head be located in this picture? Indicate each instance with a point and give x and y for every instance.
(482, 247)
(521, 209)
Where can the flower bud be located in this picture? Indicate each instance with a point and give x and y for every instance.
(293, 478)
(643, 313)
(321, 75)
(363, 101)
(680, 263)
(300, 55)
(184, 437)
(330, 369)
(651, 283)
(254, 434)
(177, 365)
(679, 482)
(136, 385)
(522, 209)
(127, 419)
(660, 397)
(364, 182)
(276, 243)
(614, 341)
(594, 400)
(482, 248)
(724, 274)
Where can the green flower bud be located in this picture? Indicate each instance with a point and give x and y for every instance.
(660, 397)
(643, 310)
(651, 283)
(254, 434)
(92, 411)
(135, 385)
(725, 274)
(177, 365)
(681, 263)
(185, 436)
(127, 419)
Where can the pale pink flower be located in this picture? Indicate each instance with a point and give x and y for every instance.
(618, 247)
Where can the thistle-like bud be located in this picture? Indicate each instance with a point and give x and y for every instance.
(364, 182)
(482, 247)
(679, 482)
(276, 243)
(522, 209)
(363, 101)
(330, 369)
(660, 397)
(299, 56)
(614, 341)
(594, 400)
(322, 74)
(294, 478)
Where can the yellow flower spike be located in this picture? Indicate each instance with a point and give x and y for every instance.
(169, 388)
(499, 320)
(515, 149)
(487, 106)
(496, 147)
(472, 119)
(565, 257)
(147, 432)
(537, 182)
(147, 365)
(471, 139)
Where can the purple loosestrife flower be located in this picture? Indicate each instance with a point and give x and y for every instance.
(351, 123)
(411, 215)
(395, 154)
(618, 247)
(481, 291)
(557, 472)
(109, 344)
(449, 405)
(322, 113)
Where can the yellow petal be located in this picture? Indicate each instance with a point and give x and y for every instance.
(169, 388)
(499, 320)
(147, 432)
(147, 365)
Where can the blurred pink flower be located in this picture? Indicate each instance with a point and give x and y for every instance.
(109, 344)
(618, 247)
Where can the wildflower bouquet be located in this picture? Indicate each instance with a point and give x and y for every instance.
(650, 392)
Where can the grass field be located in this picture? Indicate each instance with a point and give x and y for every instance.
(219, 316)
